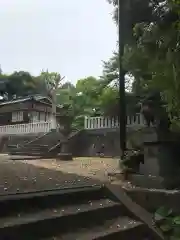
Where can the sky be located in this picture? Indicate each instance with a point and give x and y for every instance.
(71, 37)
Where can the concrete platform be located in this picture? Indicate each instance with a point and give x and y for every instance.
(22, 157)
(19, 176)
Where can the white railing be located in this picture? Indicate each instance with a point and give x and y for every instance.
(106, 122)
(89, 123)
(37, 127)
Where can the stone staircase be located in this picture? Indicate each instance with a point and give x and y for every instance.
(19, 141)
(34, 150)
(23, 139)
(84, 213)
(44, 146)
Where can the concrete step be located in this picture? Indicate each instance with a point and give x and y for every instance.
(29, 146)
(47, 140)
(38, 145)
(23, 157)
(28, 150)
(33, 149)
(37, 153)
(118, 228)
(85, 212)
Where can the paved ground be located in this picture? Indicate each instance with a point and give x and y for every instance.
(96, 168)
(32, 175)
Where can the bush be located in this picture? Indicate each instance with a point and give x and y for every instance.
(168, 222)
(132, 160)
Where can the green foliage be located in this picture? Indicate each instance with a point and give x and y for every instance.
(168, 222)
(132, 160)
(111, 68)
(155, 58)
(109, 101)
(152, 56)
(89, 97)
(18, 84)
(50, 83)
(78, 122)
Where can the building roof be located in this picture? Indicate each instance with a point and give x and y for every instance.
(19, 100)
(38, 98)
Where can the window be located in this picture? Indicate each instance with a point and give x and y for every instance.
(42, 116)
(35, 117)
(47, 117)
(17, 116)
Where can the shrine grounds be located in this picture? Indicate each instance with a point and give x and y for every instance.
(18, 176)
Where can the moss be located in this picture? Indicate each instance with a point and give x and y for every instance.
(132, 160)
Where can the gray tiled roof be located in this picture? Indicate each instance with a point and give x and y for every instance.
(35, 97)
(19, 100)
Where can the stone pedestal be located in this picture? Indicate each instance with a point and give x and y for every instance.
(64, 154)
(161, 161)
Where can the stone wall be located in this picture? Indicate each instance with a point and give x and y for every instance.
(85, 143)
(152, 199)
(89, 143)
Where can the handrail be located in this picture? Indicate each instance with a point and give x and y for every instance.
(34, 140)
(59, 143)
(55, 146)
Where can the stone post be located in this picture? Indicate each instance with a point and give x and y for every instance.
(64, 154)
(161, 161)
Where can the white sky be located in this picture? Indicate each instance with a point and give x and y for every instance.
(68, 36)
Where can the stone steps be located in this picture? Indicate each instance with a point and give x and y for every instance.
(29, 150)
(87, 212)
(40, 147)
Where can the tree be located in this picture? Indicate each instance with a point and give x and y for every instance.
(50, 82)
(67, 85)
(90, 97)
(86, 93)
(152, 58)
(109, 101)
(80, 99)
(155, 57)
(17, 84)
(111, 69)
